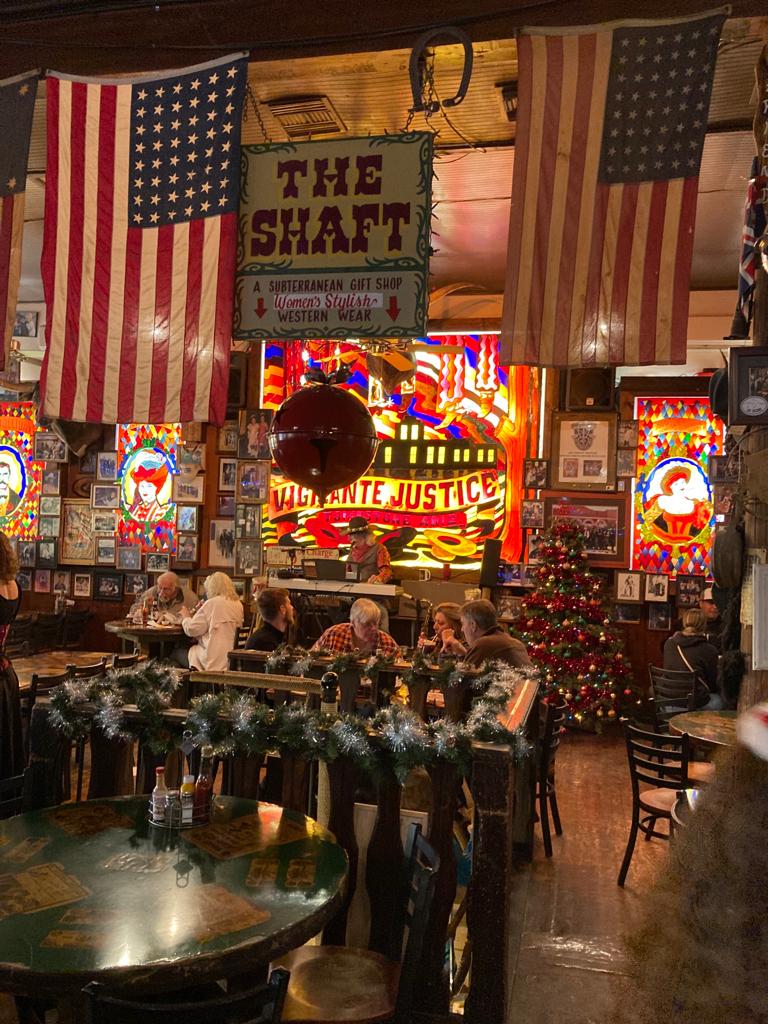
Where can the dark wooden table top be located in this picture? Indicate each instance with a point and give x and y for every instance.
(131, 628)
(94, 891)
(53, 662)
(715, 727)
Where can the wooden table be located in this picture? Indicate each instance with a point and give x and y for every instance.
(52, 662)
(150, 639)
(717, 728)
(93, 891)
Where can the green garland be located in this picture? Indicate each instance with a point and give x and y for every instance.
(395, 740)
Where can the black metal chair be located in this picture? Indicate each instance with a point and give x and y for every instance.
(551, 725)
(12, 796)
(372, 986)
(241, 636)
(47, 631)
(669, 685)
(658, 768)
(262, 1004)
(72, 628)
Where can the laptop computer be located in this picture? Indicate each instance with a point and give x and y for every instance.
(336, 569)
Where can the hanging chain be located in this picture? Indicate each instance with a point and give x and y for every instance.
(254, 103)
(428, 92)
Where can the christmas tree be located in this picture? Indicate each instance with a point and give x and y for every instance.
(566, 626)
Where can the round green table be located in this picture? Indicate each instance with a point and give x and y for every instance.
(718, 728)
(94, 891)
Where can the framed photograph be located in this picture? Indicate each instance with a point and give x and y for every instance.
(26, 322)
(227, 474)
(724, 469)
(627, 434)
(724, 500)
(158, 561)
(603, 520)
(511, 574)
(236, 385)
(626, 461)
(82, 585)
(248, 522)
(135, 583)
(108, 586)
(106, 466)
(660, 617)
(47, 553)
(187, 546)
(191, 457)
(509, 606)
(88, 463)
(106, 550)
(128, 557)
(225, 506)
(689, 590)
(189, 491)
(227, 437)
(536, 473)
(656, 587)
(254, 434)
(584, 451)
(50, 505)
(252, 482)
(747, 386)
(62, 580)
(534, 542)
(627, 613)
(27, 554)
(186, 518)
(77, 545)
(48, 526)
(105, 496)
(629, 587)
(248, 557)
(42, 581)
(104, 522)
(241, 588)
(532, 515)
(49, 447)
(24, 580)
(50, 482)
(221, 543)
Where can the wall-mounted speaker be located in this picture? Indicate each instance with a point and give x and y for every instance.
(489, 570)
(590, 388)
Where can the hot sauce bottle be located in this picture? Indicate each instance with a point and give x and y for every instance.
(204, 786)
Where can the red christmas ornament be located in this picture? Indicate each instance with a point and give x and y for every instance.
(322, 438)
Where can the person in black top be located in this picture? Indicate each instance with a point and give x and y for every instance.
(11, 745)
(713, 626)
(689, 651)
(277, 616)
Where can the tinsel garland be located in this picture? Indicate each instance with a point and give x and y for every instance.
(396, 739)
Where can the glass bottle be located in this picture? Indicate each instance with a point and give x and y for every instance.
(187, 796)
(204, 786)
(159, 796)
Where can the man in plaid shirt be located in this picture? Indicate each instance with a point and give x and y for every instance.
(361, 633)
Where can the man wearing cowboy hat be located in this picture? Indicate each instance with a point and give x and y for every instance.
(370, 556)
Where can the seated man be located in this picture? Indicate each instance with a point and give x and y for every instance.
(485, 639)
(168, 595)
(361, 633)
(277, 616)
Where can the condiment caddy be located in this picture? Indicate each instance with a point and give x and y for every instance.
(187, 807)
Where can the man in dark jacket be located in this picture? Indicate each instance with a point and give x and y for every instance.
(689, 651)
(713, 626)
(486, 640)
(277, 616)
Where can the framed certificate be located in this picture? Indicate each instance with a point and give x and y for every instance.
(583, 451)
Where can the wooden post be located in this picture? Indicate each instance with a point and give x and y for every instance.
(384, 869)
(343, 777)
(489, 901)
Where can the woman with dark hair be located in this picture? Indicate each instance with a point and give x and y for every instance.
(11, 746)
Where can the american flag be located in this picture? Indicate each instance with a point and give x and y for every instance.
(610, 131)
(17, 105)
(754, 226)
(139, 244)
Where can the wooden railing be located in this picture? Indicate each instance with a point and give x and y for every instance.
(501, 784)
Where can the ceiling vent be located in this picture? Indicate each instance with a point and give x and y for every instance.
(305, 117)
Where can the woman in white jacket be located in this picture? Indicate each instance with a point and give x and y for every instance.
(214, 625)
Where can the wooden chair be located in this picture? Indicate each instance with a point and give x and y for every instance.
(241, 635)
(72, 629)
(46, 632)
(98, 668)
(260, 1005)
(339, 983)
(39, 686)
(658, 768)
(19, 642)
(126, 660)
(551, 724)
(12, 796)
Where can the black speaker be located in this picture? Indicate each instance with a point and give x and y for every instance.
(591, 388)
(489, 570)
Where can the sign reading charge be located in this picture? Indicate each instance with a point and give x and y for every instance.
(334, 238)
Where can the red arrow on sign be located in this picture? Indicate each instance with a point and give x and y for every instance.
(393, 309)
(261, 309)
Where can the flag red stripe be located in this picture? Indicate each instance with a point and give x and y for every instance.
(217, 405)
(590, 326)
(102, 268)
(651, 274)
(130, 325)
(162, 332)
(192, 327)
(519, 182)
(681, 291)
(6, 237)
(567, 271)
(617, 323)
(549, 148)
(48, 254)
